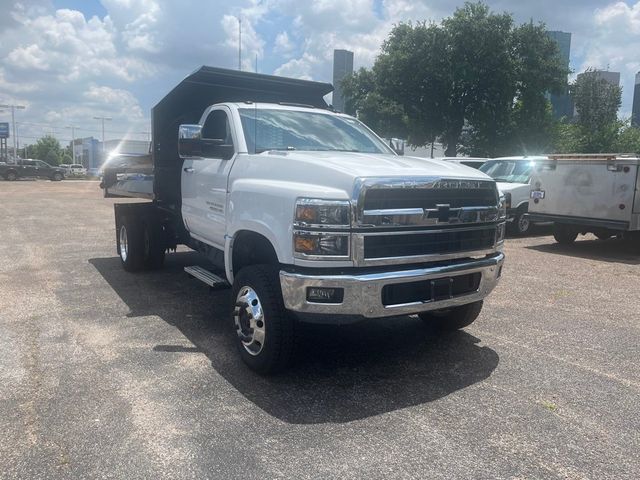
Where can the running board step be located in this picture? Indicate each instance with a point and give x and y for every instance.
(205, 276)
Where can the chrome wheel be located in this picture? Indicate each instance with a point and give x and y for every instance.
(124, 243)
(248, 316)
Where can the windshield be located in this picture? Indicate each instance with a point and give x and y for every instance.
(278, 129)
(509, 171)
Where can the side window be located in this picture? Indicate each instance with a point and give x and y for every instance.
(217, 127)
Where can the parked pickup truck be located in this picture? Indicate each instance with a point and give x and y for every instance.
(308, 213)
(587, 193)
(29, 168)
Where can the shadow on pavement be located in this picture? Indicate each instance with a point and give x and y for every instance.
(341, 374)
(613, 250)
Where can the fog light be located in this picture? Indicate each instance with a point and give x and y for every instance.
(325, 295)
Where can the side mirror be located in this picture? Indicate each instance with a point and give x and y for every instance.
(397, 145)
(192, 145)
(190, 141)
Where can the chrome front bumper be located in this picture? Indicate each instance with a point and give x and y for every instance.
(363, 293)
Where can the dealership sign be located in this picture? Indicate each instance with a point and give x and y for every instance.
(4, 130)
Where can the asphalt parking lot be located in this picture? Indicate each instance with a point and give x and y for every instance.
(105, 374)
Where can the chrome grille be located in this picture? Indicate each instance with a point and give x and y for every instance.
(423, 219)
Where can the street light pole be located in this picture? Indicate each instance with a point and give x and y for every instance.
(73, 141)
(103, 120)
(13, 121)
(239, 43)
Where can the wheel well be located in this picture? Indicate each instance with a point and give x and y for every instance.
(250, 248)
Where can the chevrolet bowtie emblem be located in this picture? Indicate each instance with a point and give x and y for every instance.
(444, 211)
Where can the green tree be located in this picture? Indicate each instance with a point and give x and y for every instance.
(597, 103)
(48, 149)
(628, 140)
(382, 115)
(474, 72)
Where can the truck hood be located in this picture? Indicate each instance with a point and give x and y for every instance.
(358, 165)
(505, 187)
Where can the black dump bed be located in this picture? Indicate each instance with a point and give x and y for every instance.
(187, 102)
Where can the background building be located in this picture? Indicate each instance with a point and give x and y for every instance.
(611, 77)
(635, 109)
(89, 152)
(86, 151)
(561, 103)
(342, 66)
(126, 146)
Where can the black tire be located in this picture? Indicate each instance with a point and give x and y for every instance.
(278, 326)
(57, 177)
(11, 176)
(521, 224)
(564, 234)
(144, 249)
(603, 234)
(130, 242)
(454, 318)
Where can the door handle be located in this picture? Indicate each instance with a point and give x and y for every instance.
(188, 169)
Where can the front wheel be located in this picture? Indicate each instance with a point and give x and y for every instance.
(265, 331)
(11, 176)
(454, 318)
(521, 223)
(56, 177)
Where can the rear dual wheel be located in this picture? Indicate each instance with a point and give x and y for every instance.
(140, 245)
(564, 234)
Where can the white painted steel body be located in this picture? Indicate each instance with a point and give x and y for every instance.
(591, 189)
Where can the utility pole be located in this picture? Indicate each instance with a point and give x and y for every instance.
(13, 121)
(103, 120)
(239, 43)
(73, 140)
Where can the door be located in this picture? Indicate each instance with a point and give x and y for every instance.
(204, 183)
(28, 168)
(43, 169)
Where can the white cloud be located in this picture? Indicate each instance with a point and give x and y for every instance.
(68, 67)
(283, 44)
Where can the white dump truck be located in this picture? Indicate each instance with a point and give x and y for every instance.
(587, 193)
(305, 212)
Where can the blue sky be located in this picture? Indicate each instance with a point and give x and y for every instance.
(69, 60)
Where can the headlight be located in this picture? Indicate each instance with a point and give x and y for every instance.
(500, 233)
(507, 200)
(315, 235)
(320, 213)
(504, 205)
(321, 244)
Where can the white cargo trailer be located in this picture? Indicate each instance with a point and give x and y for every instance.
(587, 193)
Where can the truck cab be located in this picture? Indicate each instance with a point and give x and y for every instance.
(308, 215)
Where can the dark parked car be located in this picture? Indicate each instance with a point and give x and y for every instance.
(31, 169)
